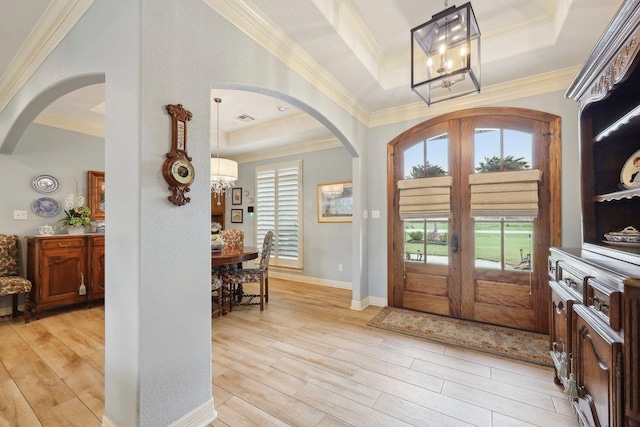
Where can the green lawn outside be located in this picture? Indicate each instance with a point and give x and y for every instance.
(487, 241)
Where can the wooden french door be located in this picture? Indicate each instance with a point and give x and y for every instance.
(492, 268)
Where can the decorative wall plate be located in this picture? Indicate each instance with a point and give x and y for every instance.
(45, 184)
(630, 174)
(46, 206)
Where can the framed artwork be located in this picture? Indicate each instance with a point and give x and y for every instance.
(236, 216)
(335, 202)
(96, 194)
(236, 196)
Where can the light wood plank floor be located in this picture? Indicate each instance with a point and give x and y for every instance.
(307, 360)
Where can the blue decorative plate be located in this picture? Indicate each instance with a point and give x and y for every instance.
(46, 206)
(45, 184)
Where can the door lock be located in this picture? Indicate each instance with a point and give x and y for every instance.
(454, 243)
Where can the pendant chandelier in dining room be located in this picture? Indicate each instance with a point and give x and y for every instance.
(224, 172)
(445, 55)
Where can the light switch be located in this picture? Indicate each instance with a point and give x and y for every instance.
(375, 213)
(365, 214)
(19, 214)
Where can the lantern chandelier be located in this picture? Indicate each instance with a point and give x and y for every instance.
(445, 55)
(224, 172)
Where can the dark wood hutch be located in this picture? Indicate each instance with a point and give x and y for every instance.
(595, 289)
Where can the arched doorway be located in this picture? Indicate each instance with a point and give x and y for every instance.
(461, 251)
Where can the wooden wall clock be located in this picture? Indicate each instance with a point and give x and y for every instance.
(177, 169)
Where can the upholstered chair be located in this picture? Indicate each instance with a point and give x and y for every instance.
(10, 282)
(256, 275)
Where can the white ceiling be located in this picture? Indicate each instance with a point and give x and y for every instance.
(358, 48)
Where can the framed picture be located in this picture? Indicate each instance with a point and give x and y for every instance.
(335, 202)
(236, 216)
(236, 196)
(96, 202)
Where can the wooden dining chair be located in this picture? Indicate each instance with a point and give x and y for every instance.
(10, 282)
(256, 275)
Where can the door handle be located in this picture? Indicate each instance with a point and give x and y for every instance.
(454, 243)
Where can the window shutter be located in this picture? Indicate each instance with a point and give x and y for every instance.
(503, 194)
(423, 198)
(279, 209)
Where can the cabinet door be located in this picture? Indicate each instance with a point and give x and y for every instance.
(63, 271)
(96, 268)
(560, 331)
(598, 370)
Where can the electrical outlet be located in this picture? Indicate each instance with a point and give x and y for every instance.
(19, 214)
(340, 267)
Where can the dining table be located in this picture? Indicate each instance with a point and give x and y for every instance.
(228, 255)
(227, 258)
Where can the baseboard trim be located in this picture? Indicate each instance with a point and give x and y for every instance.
(106, 421)
(310, 280)
(199, 417)
(374, 301)
(378, 301)
(360, 305)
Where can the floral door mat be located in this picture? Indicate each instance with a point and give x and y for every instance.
(521, 345)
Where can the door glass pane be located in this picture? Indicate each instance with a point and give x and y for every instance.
(426, 242)
(414, 242)
(437, 233)
(502, 150)
(413, 158)
(517, 149)
(504, 244)
(438, 155)
(487, 148)
(518, 245)
(427, 158)
(488, 244)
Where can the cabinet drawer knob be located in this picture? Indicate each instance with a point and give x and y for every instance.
(63, 245)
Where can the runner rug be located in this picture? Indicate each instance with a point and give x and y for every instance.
(513, 343)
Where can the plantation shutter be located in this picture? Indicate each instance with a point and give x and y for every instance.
(513, 193)
(279, 209)
(423, 198)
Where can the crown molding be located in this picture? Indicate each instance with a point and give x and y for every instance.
(349, 26)
(250, 20)
(53, 26)
(68, 123)
(291, 150)
(540, 84)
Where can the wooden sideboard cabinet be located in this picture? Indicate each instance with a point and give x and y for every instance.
(595, 333)
(65, 270)
(96, 267)
(596, 288)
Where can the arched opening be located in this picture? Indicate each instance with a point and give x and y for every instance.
(470, 251)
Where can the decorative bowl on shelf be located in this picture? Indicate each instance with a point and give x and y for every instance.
(47, 230)
(627, 235)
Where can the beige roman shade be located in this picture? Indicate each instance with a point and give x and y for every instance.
(424, 198)
(513, 193)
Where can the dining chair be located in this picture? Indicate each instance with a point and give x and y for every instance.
(256, 275)
(219, 292)
(10, 282)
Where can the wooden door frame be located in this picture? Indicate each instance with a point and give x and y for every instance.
(394, 296)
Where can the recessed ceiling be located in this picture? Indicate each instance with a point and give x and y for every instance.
(361, 46)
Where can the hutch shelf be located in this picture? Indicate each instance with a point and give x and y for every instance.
(595, 289)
